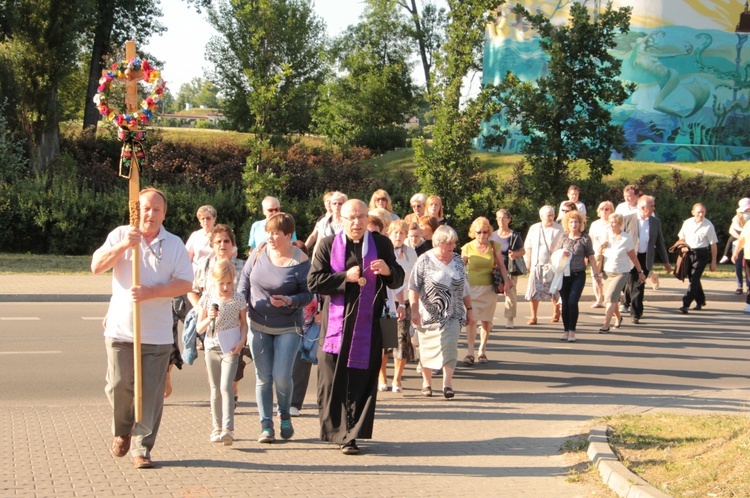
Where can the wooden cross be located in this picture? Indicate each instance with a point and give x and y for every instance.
(131, 79)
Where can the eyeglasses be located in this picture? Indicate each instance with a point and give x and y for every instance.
(336, 203)
(352, 219)
(480, 232)
(274, 210)
(415, 206)
(381, 199)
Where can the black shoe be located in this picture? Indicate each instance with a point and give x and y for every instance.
(350, 448)
(697, 307)
(684, 310)
(636, 319)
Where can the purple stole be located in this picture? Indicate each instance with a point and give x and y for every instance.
(359, 352)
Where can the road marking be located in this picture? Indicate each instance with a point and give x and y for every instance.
(18, 318)
(30, 352)
(97, 318)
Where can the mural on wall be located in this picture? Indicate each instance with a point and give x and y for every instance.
(692, 71)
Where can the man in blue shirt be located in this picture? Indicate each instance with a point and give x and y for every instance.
(271, 206)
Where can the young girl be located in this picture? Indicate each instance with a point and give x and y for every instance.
(223, 316)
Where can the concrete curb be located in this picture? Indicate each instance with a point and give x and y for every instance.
(614, 474)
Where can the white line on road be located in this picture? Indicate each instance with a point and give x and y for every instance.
(18, 318)
(30, 352)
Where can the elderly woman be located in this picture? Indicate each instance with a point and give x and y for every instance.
(619, 258)
(700, 236)
(578, 250)
(542, 240)
(384, 216)
(598, 233)
(417, 203)
(224, 245)
(399, 302)
(480, 257)
(274, 283)
(434, 207)
(441, 302)
(198, 244)
(381, 200)
(511, 247)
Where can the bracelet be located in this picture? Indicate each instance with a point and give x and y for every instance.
(402, 306)
(288, 301)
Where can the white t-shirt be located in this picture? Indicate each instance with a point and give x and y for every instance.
(579, 205)
(616, 259)
(624, 209)
(161, 261)
(199, 243)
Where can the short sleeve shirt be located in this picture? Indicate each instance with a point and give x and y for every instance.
(229, 314)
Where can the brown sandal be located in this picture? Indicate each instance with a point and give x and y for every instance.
(468, 359)
(556, 316)
(532, 321)
(482, 358)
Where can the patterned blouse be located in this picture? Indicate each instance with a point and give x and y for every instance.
(229, 314)
(580, 249)
(441, 290)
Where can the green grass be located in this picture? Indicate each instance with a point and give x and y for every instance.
(35, 263)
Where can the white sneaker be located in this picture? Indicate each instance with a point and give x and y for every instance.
(723, 260)
(509, 324)
(215, 436)
(624, 309)
(227, 438)
(294, 411)
(747, 308)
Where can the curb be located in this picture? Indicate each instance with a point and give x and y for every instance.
(614, 474)
(54, 298)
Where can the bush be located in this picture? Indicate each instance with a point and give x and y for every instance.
(13, 162)
(381, 139)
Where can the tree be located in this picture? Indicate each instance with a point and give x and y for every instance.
(428, 31)
(448, 168)
(268, 63)
(38, 49)
(198, 92)
(113, 23)
(374, 91)
(566, 113)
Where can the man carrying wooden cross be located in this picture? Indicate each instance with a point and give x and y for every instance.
(165, 272)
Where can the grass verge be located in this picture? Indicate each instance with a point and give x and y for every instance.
(686, 455)
(36, 263)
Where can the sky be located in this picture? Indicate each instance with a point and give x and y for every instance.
(182, 46)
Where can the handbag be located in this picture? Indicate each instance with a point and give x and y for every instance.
(516, 266)
(389, 332)
(308, 346)
(498, 284)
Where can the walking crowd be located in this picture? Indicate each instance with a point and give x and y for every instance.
(363, 286)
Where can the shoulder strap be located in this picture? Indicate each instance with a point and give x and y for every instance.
(260, 249)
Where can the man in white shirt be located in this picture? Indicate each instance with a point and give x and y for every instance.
(573, 194)
(645, 229)
(165, 272)
(271, 206)
(631, 193)
(700, 236)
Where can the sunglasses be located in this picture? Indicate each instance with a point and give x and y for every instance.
(274, 210)
(381, 199)
(480, 232)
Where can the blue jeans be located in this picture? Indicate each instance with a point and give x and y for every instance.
(570, 294)
(274, 363)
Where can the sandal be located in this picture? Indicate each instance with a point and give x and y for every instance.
(482, 358)
(468, 359)
(427, 391)
(556, 315)
(448, 392)
(532, 321)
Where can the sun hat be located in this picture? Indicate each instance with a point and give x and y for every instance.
(744, 205)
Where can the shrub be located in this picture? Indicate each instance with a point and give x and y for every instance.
(381, 139)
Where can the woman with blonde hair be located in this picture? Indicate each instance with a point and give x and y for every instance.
(480, 256)
(598, 233)
(381, 200)
(434, 207)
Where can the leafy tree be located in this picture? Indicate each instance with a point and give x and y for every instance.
(428, 31)
(448, 168)
(110, 24)
(13, 162)
(38, 49)
(566, 113)
(268, 63)
(374, 91)
(198, 92)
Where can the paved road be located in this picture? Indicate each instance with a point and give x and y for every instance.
(500, 436)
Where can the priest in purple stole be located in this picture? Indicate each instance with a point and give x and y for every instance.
(352, 270)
